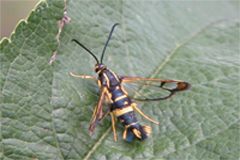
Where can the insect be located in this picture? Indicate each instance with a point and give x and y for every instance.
(121, 104)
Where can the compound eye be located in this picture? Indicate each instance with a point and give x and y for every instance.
(97, 67)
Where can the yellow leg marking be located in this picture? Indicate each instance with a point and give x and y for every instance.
(85, 76)
(134, 105)
(125, 134)
(113, 125)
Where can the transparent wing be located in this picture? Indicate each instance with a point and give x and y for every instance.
(144, 89)
(98, 111)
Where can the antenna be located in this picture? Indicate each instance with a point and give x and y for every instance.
(109, 37)
(105, 46)
(80, 44)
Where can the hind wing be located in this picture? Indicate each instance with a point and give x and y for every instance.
(144, 89)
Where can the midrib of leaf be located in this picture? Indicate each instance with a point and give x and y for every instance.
(97, 144)
(168, 58)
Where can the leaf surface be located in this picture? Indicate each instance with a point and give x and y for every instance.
(45, 112)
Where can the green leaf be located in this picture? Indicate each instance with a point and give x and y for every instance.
(45, 112)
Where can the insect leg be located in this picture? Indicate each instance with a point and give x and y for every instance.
(113, 125)
(134, 105)
(85, 76)
(105, 115)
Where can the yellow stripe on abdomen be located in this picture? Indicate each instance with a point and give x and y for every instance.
(119, 112)
(120, 97)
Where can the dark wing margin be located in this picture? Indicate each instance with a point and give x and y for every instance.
(98, 111)
(153, 89)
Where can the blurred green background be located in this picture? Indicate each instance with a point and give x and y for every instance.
(11, 12)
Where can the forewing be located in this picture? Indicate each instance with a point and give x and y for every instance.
(144, 89)
(98, 111)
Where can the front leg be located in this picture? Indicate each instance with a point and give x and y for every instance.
(85, 76)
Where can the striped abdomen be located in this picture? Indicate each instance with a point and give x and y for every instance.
(122, 106)
(123, 110)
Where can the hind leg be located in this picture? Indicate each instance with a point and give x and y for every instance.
(134, 105)
(114, 128)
